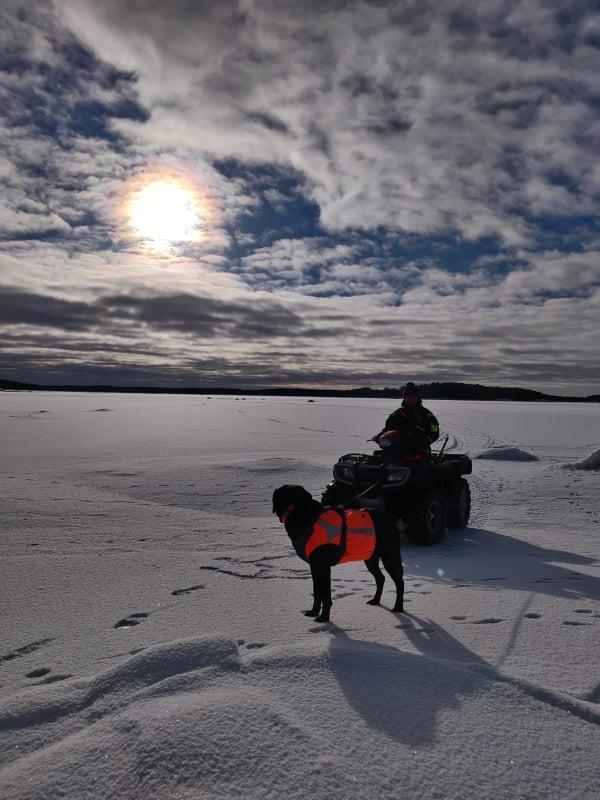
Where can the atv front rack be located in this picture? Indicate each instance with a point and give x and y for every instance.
(361, 470)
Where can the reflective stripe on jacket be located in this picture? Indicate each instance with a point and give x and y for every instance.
(360, 536)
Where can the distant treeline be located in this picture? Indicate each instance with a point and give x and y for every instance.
(429, 391)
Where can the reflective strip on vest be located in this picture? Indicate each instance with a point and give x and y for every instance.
(360, 536)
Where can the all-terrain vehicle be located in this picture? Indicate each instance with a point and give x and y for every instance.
(426, 493)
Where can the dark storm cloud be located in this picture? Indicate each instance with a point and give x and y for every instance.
(205, 316)
(24, 308)
(280, 370)
(184, 314)
(48, 342)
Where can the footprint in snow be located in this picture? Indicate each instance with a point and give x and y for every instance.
(37, 673)
(532, 615)
(255, 645)
(131, 620)
(487, 621)
(26, 650)
(189, 589)
(582, 610)
(53, 679)
(593, 696)
(458, 617)
(574, 622)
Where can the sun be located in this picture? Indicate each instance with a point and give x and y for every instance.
(165, 212)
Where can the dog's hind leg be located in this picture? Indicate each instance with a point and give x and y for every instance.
(373, 566)
(392, 562)
(388, 547)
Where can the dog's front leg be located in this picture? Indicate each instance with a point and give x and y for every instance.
(314, 611)
(320, 569)
(316, 606)
(324, 615)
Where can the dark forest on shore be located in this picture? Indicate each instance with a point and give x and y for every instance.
(429, 391)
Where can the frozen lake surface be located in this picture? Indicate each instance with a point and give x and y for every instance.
(152, 643)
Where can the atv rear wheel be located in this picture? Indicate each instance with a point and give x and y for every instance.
(426, 524)
(459, 517)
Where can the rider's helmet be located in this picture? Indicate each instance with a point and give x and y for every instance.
(389, 439)
(411, 395)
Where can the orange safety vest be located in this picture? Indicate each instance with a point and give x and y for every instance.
(360, 536)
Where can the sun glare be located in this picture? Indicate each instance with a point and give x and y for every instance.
(164, 213)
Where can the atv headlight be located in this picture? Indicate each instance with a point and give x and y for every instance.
(342, 473)
(398, 475)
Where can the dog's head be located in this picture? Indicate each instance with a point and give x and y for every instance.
(288, 497)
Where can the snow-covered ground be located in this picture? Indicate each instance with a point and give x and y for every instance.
(154, 512)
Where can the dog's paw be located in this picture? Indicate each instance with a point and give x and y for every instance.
(398, 608)
(373, 602)
(312, 612)
(322, 618)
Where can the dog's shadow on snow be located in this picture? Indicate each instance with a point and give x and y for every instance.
(486, 559)
(402, 694)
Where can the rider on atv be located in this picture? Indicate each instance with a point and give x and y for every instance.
(412, 428)
(426, 492)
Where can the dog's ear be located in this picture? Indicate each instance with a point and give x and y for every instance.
(289, 495)
(280, 502)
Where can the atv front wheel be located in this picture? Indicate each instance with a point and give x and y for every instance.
(426, 524)
(459, 517)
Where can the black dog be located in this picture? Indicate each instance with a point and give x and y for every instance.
(298, 511)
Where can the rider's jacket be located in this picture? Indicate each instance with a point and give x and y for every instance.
(327, 529)
(418, 426)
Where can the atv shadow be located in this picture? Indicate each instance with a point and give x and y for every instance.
(487, 559)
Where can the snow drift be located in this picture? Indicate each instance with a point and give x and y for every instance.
(508, 454)
(328, 717)
(591, 462)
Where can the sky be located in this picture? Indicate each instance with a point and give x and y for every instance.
(312, 193)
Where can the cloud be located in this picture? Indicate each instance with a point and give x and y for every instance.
(392, 190)
(420, 117)
(264, 339)
(57, 101)
(191, 316)
(22, 308)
